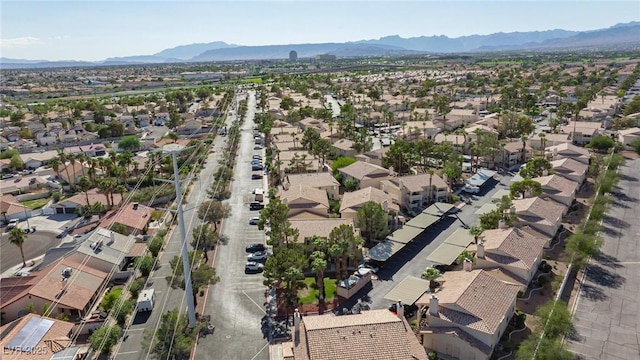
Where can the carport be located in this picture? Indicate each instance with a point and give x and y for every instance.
(439, 209)
(384, 250)
(449, 251)
(479, 178)
(486, 208)
(423, 221)
(405, 234)
(409, 290)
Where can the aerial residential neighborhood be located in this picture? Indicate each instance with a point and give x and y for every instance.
(323, 205)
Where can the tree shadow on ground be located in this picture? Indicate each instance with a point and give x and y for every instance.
(618, 204)
(607, 260)
(621, 196)
(609, 231)
(627, 177)
(620, 224)
(593, 293)
(604, 277)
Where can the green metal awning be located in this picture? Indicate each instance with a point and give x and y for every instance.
(384, 250)
(409, 290)
(460, 237)
(423, 221)
(488, 207)
(405, 234)
(439, 209)
(445, 254)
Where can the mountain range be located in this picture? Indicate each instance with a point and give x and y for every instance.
(617, 36)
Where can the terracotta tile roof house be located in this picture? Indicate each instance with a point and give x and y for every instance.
(69, 206)
(570, 169)
(75, 170)
(323, 181)
(542, 214)
(106, 251)
(319, 227)
(374, 157)
(568, 151)
(549, 140)
(513, 153)
(20, 336)
(344, 147)
(310, 164)
(373, 334)
(626, 136)
(306, 202)
(133, 216)
(514, 250)
(558, 188)
(316, 124)
(353, 201)
(412, 191)
(468, 314)
(10, 208)
(22, 185)
(365, 174)
(74, 296)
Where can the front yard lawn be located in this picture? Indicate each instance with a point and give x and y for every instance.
(36, 203)
(309, 294)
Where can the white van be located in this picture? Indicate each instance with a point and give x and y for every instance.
(146, 300)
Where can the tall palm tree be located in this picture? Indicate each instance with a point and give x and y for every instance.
(524, 139)
(543, 143)
(72, 165)
(85, 184)
(63, 159)
(476, 231)
(55, 165)
(430, 171)
(17, 238)
(319, 265)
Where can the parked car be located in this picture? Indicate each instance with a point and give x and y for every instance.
(254, 220)
(256, 206)
(7, 176)
(256, 162)
(256, 176)
(258, 256)
(256, 167)
(255, 247)
(27, 172)
(256, 157)
(258, 147)
(253, 266)
(373, 269)
(470, 189)
(12, 223)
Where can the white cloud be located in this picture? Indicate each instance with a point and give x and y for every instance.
(20, 42)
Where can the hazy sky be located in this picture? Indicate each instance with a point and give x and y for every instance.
(95, 30)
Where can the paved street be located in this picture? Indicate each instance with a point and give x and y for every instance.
(412, 260)
(166, 298)
(607, 317)
(236, 303)
(35, 245)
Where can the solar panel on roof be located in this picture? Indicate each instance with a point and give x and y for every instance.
(30, 335)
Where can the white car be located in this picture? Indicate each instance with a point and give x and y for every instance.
(373, 269)
(258, 256)
(253, 266)
(470, 189)
(254, 220)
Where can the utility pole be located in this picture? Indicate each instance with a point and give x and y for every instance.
(174, 150)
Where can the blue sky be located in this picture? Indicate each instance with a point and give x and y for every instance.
(95, 30)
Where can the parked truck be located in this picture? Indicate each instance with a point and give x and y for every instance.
(146, 300)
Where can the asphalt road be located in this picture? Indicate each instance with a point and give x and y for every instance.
(607, 312)
(236, 303)
(412, 259)
(167, 298)
(35, 245)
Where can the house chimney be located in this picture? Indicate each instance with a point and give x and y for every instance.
(400, 309)
(400, 184)
(135, 206)
(385, 206)
(112, 237)
(296, 325)
(467, 265)
(502, 224)
(545, 172)
(480, 250)
(433, 305)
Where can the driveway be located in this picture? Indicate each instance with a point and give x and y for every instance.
(607, 310)
(236, 303)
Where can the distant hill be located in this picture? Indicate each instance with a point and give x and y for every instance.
(186, 52)
(469, 43)
(624, 35)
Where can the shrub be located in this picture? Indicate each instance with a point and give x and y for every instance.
(135, 287)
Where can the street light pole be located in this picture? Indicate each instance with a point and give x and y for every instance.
(174, 150)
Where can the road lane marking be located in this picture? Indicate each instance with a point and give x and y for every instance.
(257, 305)
(127, 353)
(261, 350)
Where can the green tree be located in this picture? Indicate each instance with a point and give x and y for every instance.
(123, 310)
(287, 103)
(400, 156)
(173, 136)
(173, 338)
(201, 275)
(351, 185)
(583, 246)
(465, 255)
(212, 211)
(155, 245)
(344, 245)
(104, 338)
(274, 217)
(310, 137)
(17, 238)
(129, 143)
(601, 143)
(635, 145)
(85, 185)
(135, 287)
(16, 162)
(175, 120)
(537, 167)
(319, 265)
(110, 299)
(549, 349)
(204, 238)
(145, 264)
(372, 221)
(555, 318)
(323, 148)
(525, 186)
(632, 107)
(476, 231)
(431, 274)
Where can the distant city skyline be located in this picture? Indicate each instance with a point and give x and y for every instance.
(96, 30)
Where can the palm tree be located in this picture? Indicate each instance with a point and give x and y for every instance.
(63, 160)
(292, 276)
(319, 265)
(17, 238)
(72, 163)
(431, 274)
(85, 184)
(430, 171)
(476, 231)
(335, 251)
(543, 143)
(524, 139)
(55, 165)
